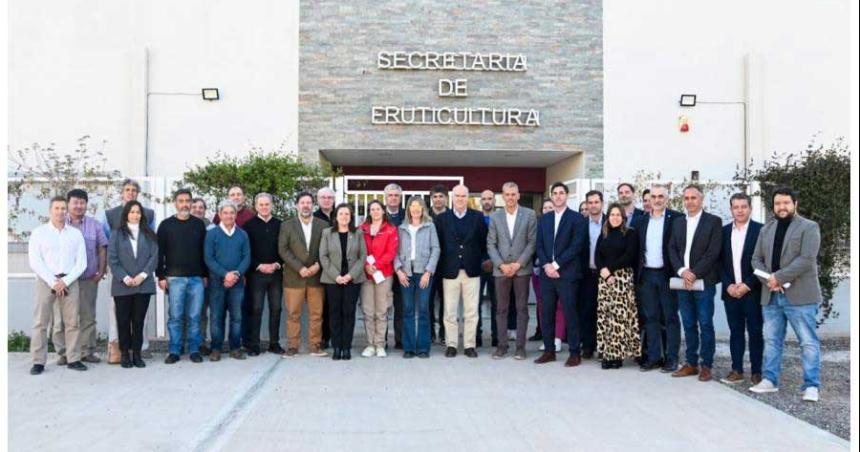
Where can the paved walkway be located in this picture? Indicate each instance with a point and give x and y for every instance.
(314, 404)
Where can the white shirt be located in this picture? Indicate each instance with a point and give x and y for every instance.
(739, 235)
(135, 230)
(460, 214)
(511, 219)
(53, 251)
(557, 219)
(307, 229)
(229, 232)
(692, 224)
(654, 242)
(413, 232)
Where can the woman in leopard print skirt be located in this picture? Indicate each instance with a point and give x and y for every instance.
(617, 323)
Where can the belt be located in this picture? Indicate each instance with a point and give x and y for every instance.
(653, 269)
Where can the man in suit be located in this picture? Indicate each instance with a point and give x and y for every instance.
(463, 243)
(587, 302)
(393, 200)
(511, 245)
(694, 251)
(438, 206)
(299, 246)
(787, 249)
(742, 290)
(658, 304)
(561, 237)
(627, 199)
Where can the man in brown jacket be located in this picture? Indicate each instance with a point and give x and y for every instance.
(298, 245)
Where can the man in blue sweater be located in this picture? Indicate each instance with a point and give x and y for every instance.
(227, 253)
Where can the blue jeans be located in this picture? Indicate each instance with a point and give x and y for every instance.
(697, 313)
(802, 320)
(222, 299)
(185, 299)
(416, 301)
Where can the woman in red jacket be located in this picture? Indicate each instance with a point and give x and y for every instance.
(382, 240)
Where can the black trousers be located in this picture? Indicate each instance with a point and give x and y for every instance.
(438, 316)
(397, 301)
(130, 314)
(262, 287)
(341, 300)
(586, 309)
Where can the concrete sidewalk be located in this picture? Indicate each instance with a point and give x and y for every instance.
(309, 404)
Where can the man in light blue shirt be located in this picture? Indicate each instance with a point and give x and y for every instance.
(587, 306)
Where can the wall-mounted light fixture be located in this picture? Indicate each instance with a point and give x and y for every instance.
(687, 100)
(210, 93)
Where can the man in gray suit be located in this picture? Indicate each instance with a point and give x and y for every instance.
(511, 238)
(787, 250)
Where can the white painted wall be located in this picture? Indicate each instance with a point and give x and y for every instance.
(656, 50)
(77, 67)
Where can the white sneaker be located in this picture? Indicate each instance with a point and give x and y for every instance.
(810, 394)
(557, 345)
(766, 386)
(541, 348)
(368, 351)
(380, 352)
(512, 335)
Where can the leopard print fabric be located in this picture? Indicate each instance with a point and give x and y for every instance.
(617, 318)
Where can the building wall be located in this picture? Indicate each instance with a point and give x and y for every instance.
(656, 50)
(77, 67)
(340, 82)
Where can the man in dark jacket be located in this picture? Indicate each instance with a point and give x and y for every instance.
(742, 290)
(463, 243)
(694, 251)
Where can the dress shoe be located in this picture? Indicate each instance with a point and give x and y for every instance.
(470, 353)
(196, 358)
(62, 361)
(92, 359)
(500, 353)
(423, 355)
(37, 369)
(732, 378)
(755, 379)
(237, 354)
(172, 358)
(669, 367)
(77, 365)
(253, 353)
(646, 367)
(204, 350)
(276, 348)
(705, 374)
(214, 356)
(408, 355)
(545, 357)
(125, 360)
(587, 353)
(336, 355)
(573, 360)
(398, 345)
(686, 371)
(137, 360)
(346, 354)
(450, 352)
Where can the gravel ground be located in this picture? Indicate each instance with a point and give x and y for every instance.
(832, 412)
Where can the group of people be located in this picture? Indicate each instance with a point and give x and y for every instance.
(614, 284)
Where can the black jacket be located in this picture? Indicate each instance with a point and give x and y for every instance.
(467, 249)
(705, 250)
(727, 267)
(641, 225)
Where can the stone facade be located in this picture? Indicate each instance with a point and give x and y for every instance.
(339, 82)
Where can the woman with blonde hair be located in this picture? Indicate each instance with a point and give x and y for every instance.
(417, 256)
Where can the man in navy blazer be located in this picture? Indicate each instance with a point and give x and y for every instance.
(659, 306)
(561, 237)
(742, 290)
(463, 242)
